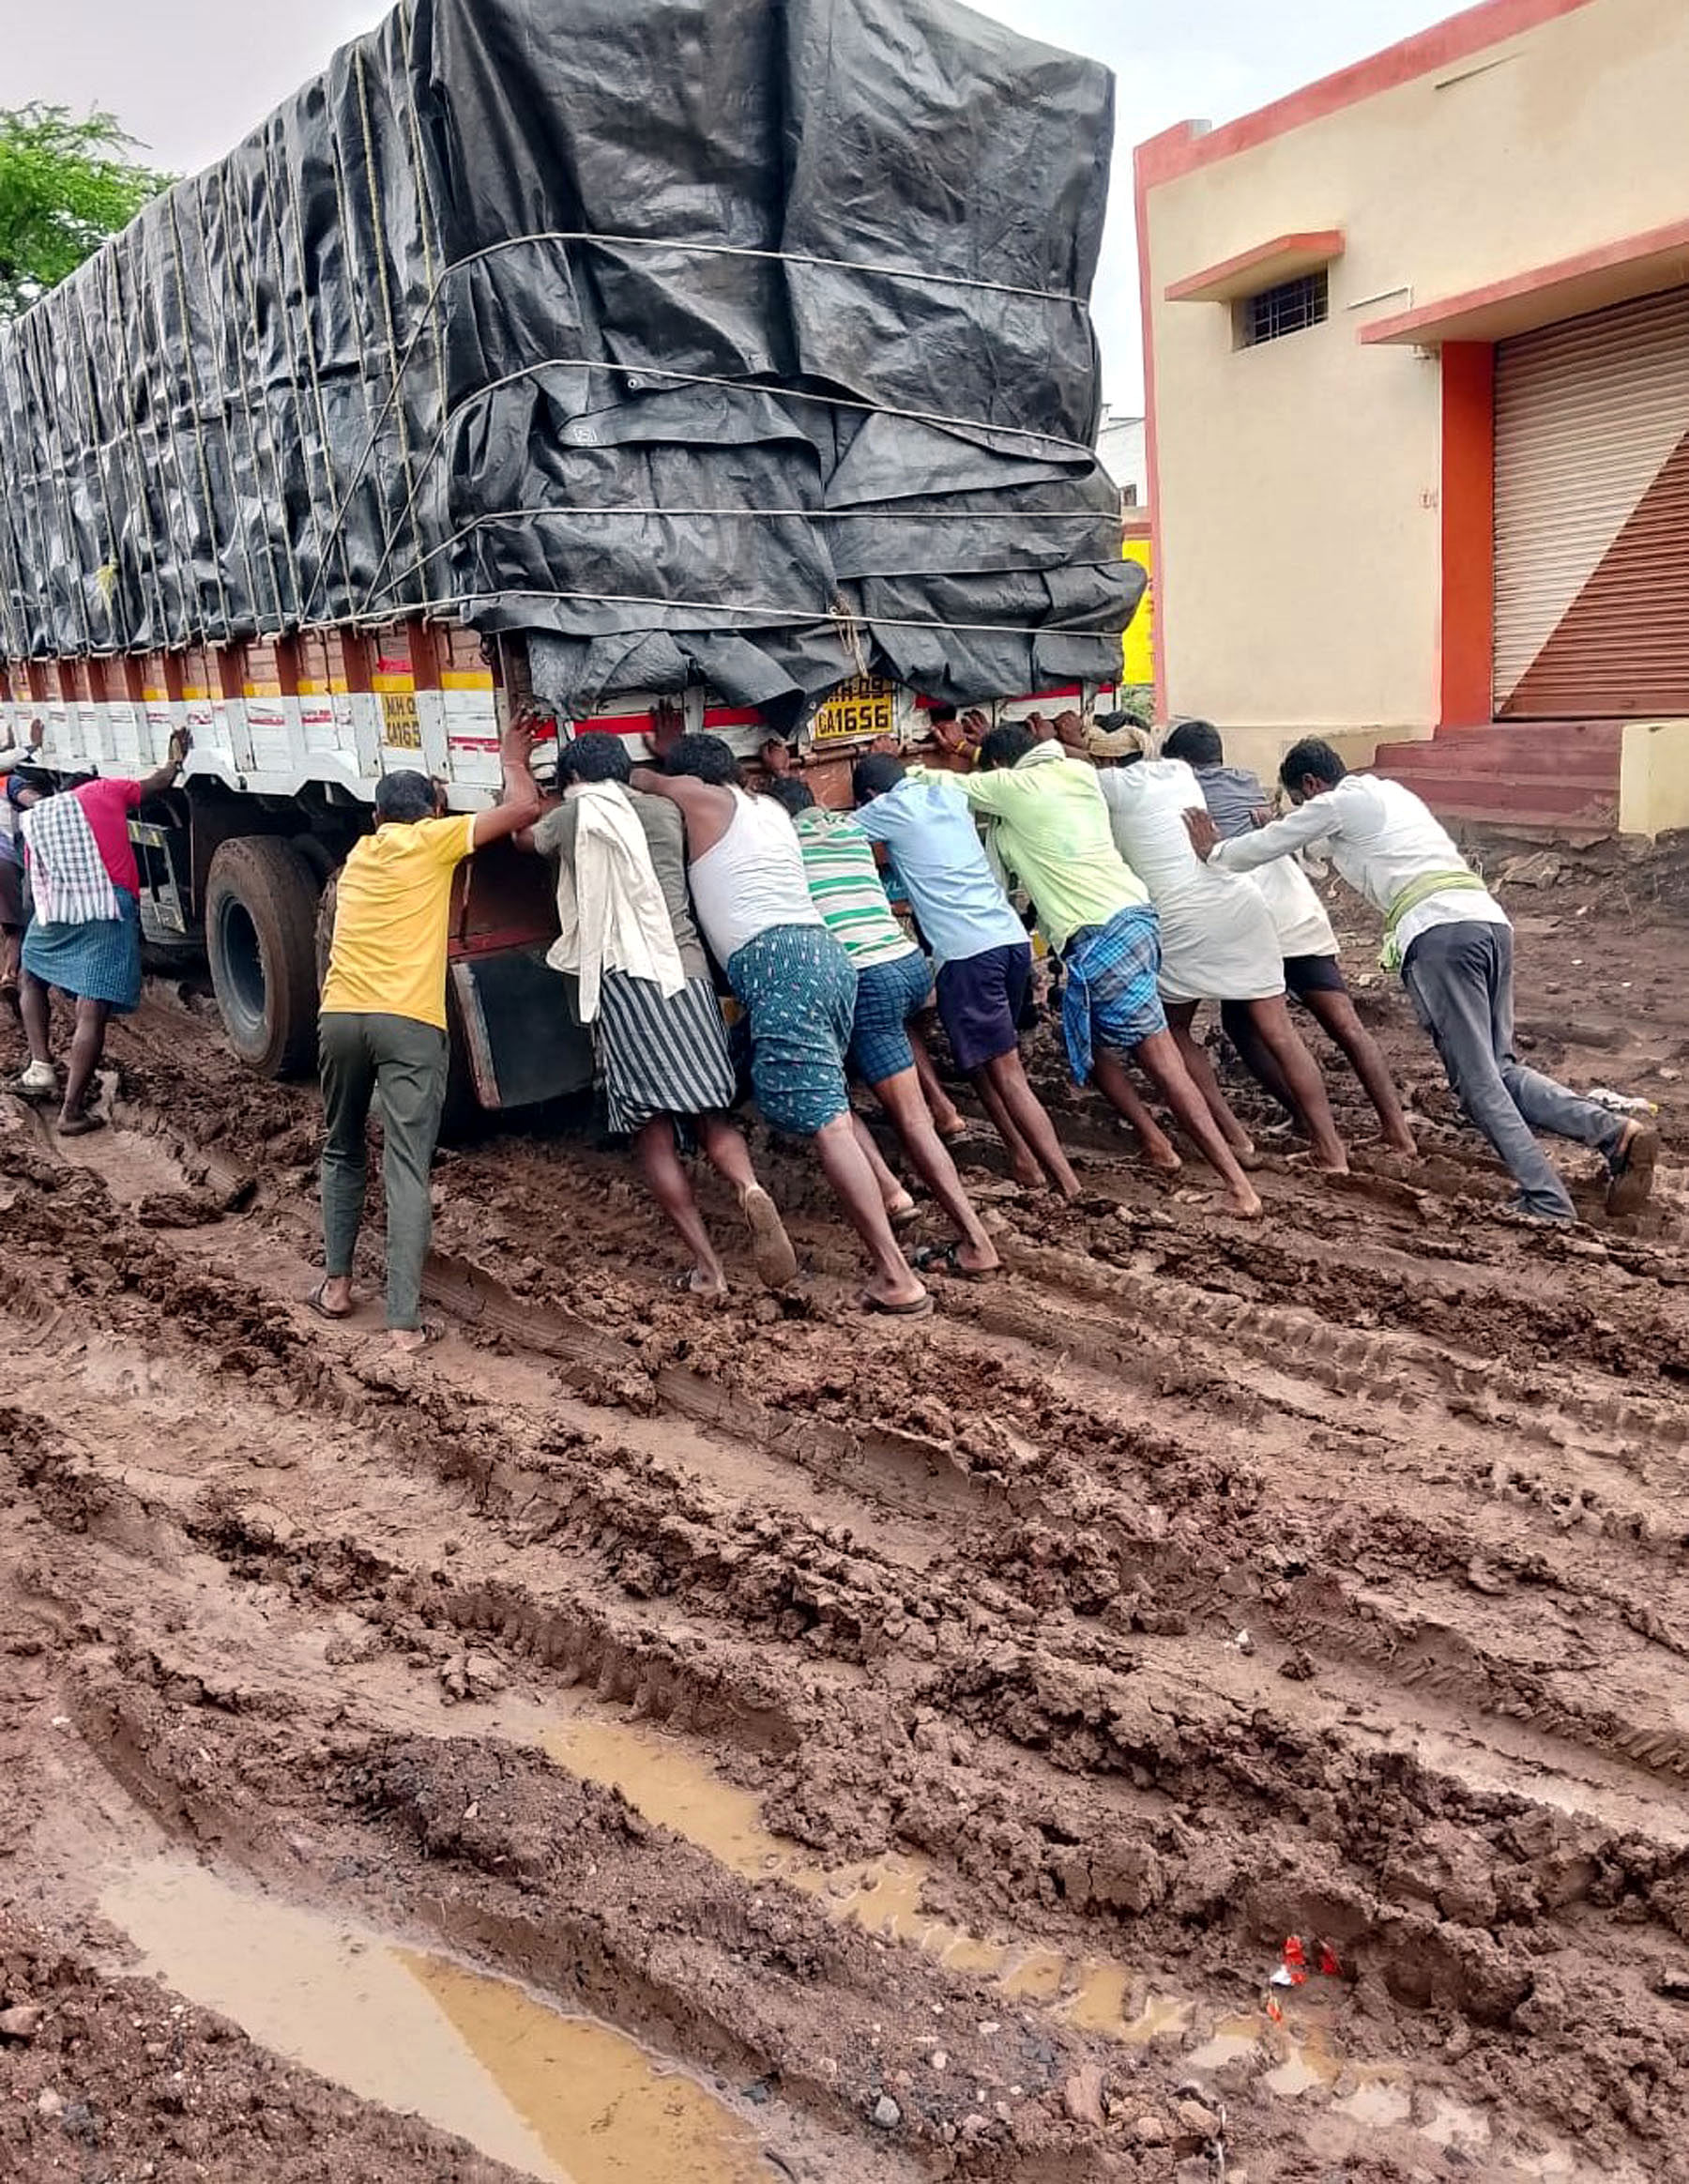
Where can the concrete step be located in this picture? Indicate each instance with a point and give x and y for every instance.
(1554, 775)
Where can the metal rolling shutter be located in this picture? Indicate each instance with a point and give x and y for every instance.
(1592, 516)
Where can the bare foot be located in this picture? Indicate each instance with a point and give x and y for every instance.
(1407, 1144)
(902, 1210)
(1245, 1203)
(409, 1340)
(1171, 1165)
(905, 1300)
(698, 1281)
(1318, 1164)
(1027, 1174)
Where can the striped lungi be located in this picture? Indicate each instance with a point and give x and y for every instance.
(660, 1056)
(97, 960)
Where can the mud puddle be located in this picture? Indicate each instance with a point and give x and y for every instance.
(1300, 2055)
(567, 2099)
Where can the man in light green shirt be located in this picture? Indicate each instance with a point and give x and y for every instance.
(1051, 826)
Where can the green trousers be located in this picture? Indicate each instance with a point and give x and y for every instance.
(405, 1063)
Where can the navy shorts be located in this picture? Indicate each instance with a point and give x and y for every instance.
(1305, 974)
(981, 1002)
(887, 995)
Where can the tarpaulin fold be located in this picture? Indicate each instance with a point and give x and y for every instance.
(737, 340)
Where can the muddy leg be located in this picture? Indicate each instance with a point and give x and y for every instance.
(724, 1146)
(1022, 1164)
(35, 1006)
(1026, 1112)
(1301, 1074)
(1159, 1058)
(946, 1119)
(894, 1197)
(1181, 1016)
(900, 1097)
(1341, 1020)
(88, 1045)
(1124, 1097)
(1257, 1057)
(671, 1187)
(894, 1280)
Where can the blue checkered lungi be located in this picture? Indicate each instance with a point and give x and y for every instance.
(99, 960)
(1111, 998)
(798, 989)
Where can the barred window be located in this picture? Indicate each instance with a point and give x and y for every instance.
(1288, 309)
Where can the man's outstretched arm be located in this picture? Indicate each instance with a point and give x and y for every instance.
(518, 805)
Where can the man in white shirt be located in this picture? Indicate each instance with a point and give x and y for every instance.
(1312, 975)
(1218, 944)
(1452, 943)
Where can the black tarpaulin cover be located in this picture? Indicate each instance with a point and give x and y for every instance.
(736, 339)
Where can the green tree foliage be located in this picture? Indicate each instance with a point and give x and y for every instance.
(65, 185)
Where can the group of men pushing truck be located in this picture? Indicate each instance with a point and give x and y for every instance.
(1157, 883)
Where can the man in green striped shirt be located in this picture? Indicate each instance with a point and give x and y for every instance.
(894, 983)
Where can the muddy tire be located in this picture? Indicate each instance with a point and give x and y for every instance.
(261, 915)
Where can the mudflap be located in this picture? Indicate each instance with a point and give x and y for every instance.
(520, 1042)
(520, 1036)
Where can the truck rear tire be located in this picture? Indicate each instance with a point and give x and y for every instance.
(261, 911)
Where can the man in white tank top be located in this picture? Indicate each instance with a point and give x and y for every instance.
(1452, 944)
(793, 980)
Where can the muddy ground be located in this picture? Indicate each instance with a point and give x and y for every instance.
(926, 1738)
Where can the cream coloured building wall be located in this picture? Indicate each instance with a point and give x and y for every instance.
(1297, 483)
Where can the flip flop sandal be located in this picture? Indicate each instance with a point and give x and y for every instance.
(318, 1303)
(903, 1217)
(1633, 1170)
(772, 1251)
(946, 1258)
(923, 1308)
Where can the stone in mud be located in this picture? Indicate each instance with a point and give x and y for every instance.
(49, 2104)
(1082, 2097)
(472, 1675)
(1200, 2121)
(22, 2021)
(1541, 869)
(1149, 2131)
(886, 2115)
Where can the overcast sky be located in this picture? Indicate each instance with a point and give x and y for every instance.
(189, 77)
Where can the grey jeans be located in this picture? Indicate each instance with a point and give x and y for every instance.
(1460, 980)
(405, 1063)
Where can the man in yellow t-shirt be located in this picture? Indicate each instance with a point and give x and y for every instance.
(382, 1022)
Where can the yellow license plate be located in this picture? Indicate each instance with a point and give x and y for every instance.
(402, 724)
(859, 707)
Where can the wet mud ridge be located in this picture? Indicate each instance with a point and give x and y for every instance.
(637, 1742)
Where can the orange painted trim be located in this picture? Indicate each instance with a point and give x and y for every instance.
(1540, 284)
(1468, 534)
(1158, 560)
(1280, 259)
(1445, 45)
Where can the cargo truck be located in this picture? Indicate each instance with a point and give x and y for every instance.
(720, 360)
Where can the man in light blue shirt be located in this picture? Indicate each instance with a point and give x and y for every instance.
(980, 947)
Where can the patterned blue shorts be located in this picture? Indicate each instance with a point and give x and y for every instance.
(887, 995)
(798, 989)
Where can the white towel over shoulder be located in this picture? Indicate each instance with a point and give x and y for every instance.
(611, 910)
(66, 872)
